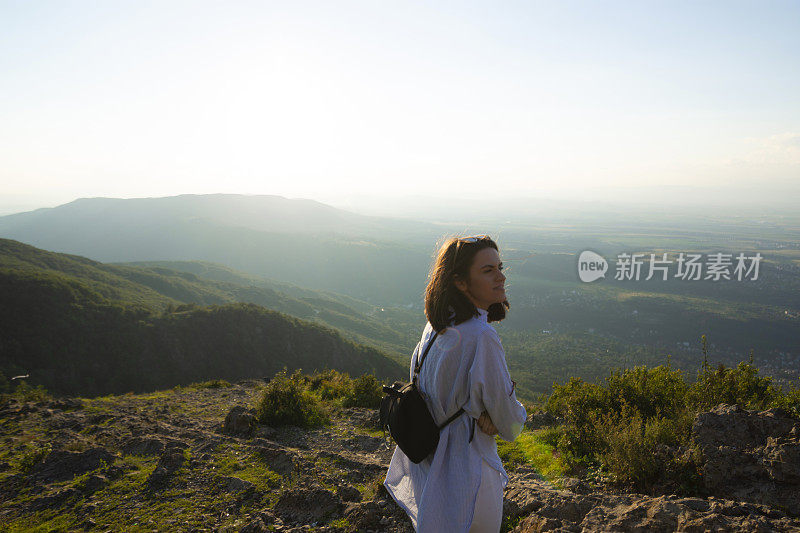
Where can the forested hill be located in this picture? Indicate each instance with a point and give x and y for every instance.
(159, 285)
(81, 327)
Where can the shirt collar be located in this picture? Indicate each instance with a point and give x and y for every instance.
(483, 315)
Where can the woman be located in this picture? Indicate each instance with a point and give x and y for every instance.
(459, 488)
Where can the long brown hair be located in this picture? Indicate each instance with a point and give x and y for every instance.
(442, 297)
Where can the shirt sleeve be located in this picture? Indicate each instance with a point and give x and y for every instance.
(491, 384)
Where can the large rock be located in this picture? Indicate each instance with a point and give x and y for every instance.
(170, 462)
(753, 456)
(364, 516)
(540, 507)
(235, 484)
(730, 425)
(240, 421)
(377, 515)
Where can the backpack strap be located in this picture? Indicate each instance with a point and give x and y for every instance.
(419, 364)
(418, 367)
(456, 415)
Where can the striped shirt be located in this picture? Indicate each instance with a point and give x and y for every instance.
(466, 367)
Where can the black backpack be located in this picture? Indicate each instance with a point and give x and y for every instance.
(405, 414)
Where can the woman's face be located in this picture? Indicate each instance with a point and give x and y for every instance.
(486, 280)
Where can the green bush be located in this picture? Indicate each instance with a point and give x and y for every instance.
(629, 447)
(651, 392)
(367, 391)
(636, 426)
(642, 452)
(27, 393)
(331, 384)
(790, 401)
(551, 435)
(286, 400)
(674, 431)
(741, 385)
(577, 403)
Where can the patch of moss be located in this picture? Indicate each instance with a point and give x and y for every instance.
(43, 521)
(231, 459)
(529, 449)
(100, 405)
(156, 395)
(341, 523)
(32, 455)
(128, 505)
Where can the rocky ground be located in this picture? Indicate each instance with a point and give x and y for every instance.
(192, 459)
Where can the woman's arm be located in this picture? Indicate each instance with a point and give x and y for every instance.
(490, 381)
(486, 425)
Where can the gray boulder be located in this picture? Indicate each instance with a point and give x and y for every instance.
(751, 456)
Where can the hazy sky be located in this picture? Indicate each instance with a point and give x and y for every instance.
(329, 99)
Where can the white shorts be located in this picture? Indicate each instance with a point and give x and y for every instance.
(489, 502)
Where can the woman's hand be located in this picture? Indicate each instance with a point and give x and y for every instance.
(486, 425)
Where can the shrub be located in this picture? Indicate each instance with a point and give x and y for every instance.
(331, 384)
(287, 401)
(741, 385)
(642, 452)
(658, 392)
(790, 401)
(551, 435)
(628, 456)
(577, 403)
(367, 391)
(31, 394)
(637, 425)
(651, 392)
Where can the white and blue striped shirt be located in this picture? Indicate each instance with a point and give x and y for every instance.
(466, 366)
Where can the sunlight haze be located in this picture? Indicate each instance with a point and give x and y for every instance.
(335, 100)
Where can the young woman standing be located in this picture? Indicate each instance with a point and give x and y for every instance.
(459, 487)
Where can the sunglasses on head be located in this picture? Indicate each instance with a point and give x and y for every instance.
(468, 240)
(474, 238)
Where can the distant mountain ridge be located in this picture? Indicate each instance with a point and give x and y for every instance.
(299, 241)
(79, 326)
(261, 212)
